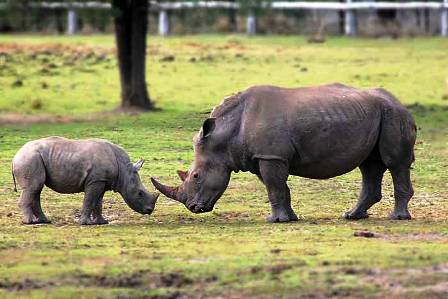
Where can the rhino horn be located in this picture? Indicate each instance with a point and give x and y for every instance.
(171, 192)
(182, 174)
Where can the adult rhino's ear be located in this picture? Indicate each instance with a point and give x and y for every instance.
(138, 165)
(208, 127)
(182, 174)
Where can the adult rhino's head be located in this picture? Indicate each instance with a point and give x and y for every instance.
(134, 193)
(209, 175)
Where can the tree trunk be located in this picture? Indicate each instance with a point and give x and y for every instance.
(58, 16)
(233, 27)
(427, 23)
(341, 19)
(131, 23)
(24, 12)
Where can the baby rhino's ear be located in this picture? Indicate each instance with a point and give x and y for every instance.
(138, 165)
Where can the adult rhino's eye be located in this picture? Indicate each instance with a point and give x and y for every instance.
(140, 193)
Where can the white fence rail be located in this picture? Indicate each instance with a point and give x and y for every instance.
(348, 8)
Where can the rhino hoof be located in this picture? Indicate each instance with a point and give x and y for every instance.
(38, 221)
(281, 218)
(99, 221)
(400, 216)
(355, 216)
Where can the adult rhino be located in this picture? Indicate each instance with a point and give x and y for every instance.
(313, 132)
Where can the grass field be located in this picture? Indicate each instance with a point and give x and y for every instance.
(68, 86)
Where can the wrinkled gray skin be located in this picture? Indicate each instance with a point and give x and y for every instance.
(92, 166)
(314, 132)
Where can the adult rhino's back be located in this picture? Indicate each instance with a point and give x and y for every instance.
(321, 131)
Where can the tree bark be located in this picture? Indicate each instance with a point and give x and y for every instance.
(59, 25)
(341, 19)
(131, 24)
(233, 27)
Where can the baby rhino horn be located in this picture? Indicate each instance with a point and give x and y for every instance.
(138, 165)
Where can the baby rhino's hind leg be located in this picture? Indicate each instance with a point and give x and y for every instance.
(31, 207)
(30, 174)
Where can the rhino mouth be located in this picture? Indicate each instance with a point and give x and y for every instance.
(147, 211)
(199, 209)
(193, 205)
(198, 206)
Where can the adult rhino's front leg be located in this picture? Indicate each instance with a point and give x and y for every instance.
(274, 174)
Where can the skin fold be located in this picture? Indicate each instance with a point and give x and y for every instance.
(313, 132)
(92, 166)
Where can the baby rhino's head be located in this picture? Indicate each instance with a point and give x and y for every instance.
(134, 193)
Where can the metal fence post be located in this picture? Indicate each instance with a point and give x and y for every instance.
(71, 21)
(164, 23)
(444, 20)
(251, 23)
(350, 21)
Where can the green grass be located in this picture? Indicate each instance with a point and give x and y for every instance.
(230, 252)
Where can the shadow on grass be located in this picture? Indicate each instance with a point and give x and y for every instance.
(259, 222)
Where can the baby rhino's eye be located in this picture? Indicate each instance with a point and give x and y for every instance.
(195, 175)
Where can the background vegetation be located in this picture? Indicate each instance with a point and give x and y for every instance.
(20, 16)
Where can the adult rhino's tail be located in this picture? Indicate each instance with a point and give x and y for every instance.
(13, 177)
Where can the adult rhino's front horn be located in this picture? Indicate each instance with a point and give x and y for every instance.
(171, 192)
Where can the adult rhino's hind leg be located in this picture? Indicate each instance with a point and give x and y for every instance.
(372, 175)
(274, 175)
(396, 145)
(403, 192)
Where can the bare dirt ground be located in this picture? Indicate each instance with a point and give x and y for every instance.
(11, 118)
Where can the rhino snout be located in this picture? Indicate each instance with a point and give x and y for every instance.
(198, 208)
(155, 196)
(148, 209)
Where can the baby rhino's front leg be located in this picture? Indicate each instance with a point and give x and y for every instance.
(92, 206)
(97, 214)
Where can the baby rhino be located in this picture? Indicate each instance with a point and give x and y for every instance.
(92, 166)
